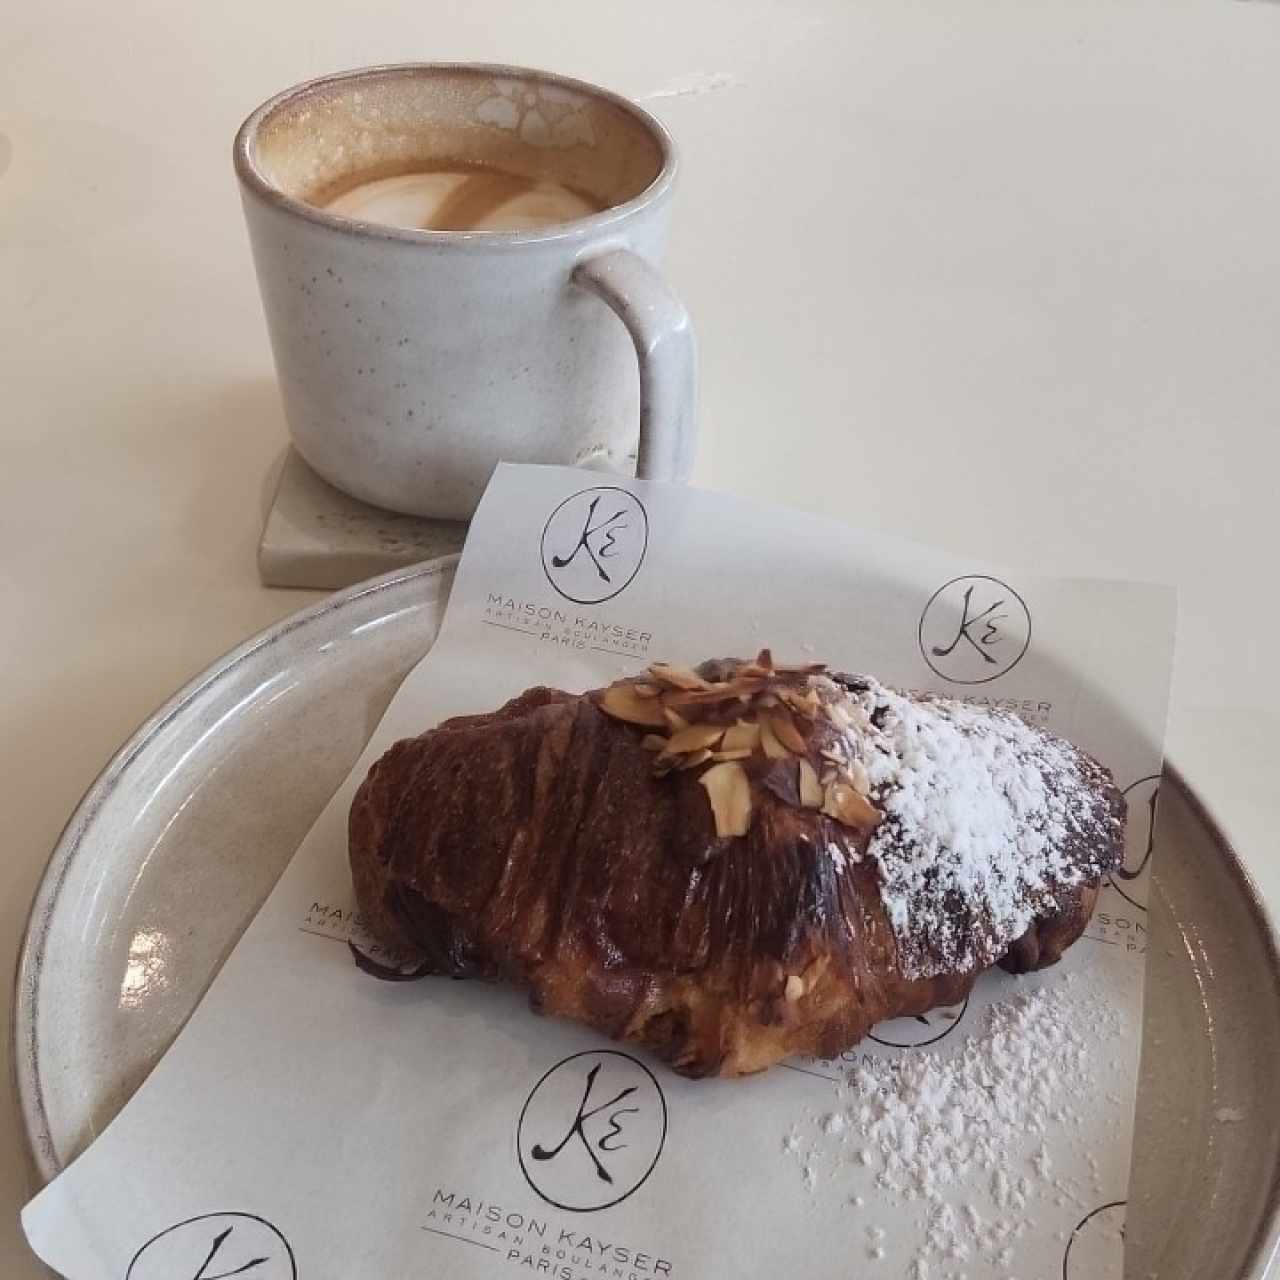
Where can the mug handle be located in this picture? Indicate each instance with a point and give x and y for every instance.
(663, 336)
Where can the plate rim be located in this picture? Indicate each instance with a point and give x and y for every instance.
(1261, 1249)
(23, 1048)
(1264, 1245)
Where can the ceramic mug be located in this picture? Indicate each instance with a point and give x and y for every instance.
(411, 362)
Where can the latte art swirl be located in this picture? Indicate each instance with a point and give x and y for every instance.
(467, 198)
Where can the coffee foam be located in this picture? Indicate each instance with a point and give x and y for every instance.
(463, 199)
(330, 137)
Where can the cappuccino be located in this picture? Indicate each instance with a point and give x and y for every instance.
(457, 266)
(463, 198)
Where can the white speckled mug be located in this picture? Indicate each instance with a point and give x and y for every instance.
(411, 361)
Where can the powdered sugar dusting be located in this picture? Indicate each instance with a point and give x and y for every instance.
(962, 1141)
(986, 819)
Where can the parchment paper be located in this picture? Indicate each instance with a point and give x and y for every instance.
(313, 1122)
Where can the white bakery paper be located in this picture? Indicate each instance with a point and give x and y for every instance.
(313, 1122)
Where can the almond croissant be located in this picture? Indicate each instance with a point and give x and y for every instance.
(732, 865)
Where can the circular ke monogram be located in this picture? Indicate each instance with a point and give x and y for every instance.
(1094, 1252)
(594, 543)
(1129, 879)
(215, 1246)
(915, 1033)
(974, 629)
(592, 1130)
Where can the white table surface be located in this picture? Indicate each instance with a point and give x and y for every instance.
(1000, 276)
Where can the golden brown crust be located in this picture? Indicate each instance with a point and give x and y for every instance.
(535, 844)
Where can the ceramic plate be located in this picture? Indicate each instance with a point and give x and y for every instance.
(178, 842)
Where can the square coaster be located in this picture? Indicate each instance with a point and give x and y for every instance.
(316, 536)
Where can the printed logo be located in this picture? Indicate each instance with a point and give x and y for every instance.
(592, 1130)
(1096, 1248)
(215, 1246)
(926, 1028)
(1130, 879)
(594, 543)
(974, 629)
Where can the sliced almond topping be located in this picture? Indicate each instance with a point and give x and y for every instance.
(729, 791)
(769, 741)
(694, 738)
(694, 759)
(743, 736)
(623, 703)
(811, 795)
(806, 704)
(839, 713)
(673, 718)
(784, 729)
(734, 688)
(858, 778)
(647, 690)
(743, 753)
(794, 988)
(677, 677)
(846, 806)
(653, 742)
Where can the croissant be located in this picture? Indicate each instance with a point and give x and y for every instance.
(733, 864)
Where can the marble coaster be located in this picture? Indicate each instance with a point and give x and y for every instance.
(317, 537)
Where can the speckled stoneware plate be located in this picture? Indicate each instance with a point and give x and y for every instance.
(181, 838)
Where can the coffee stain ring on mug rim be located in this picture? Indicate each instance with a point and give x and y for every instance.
(585, 228)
